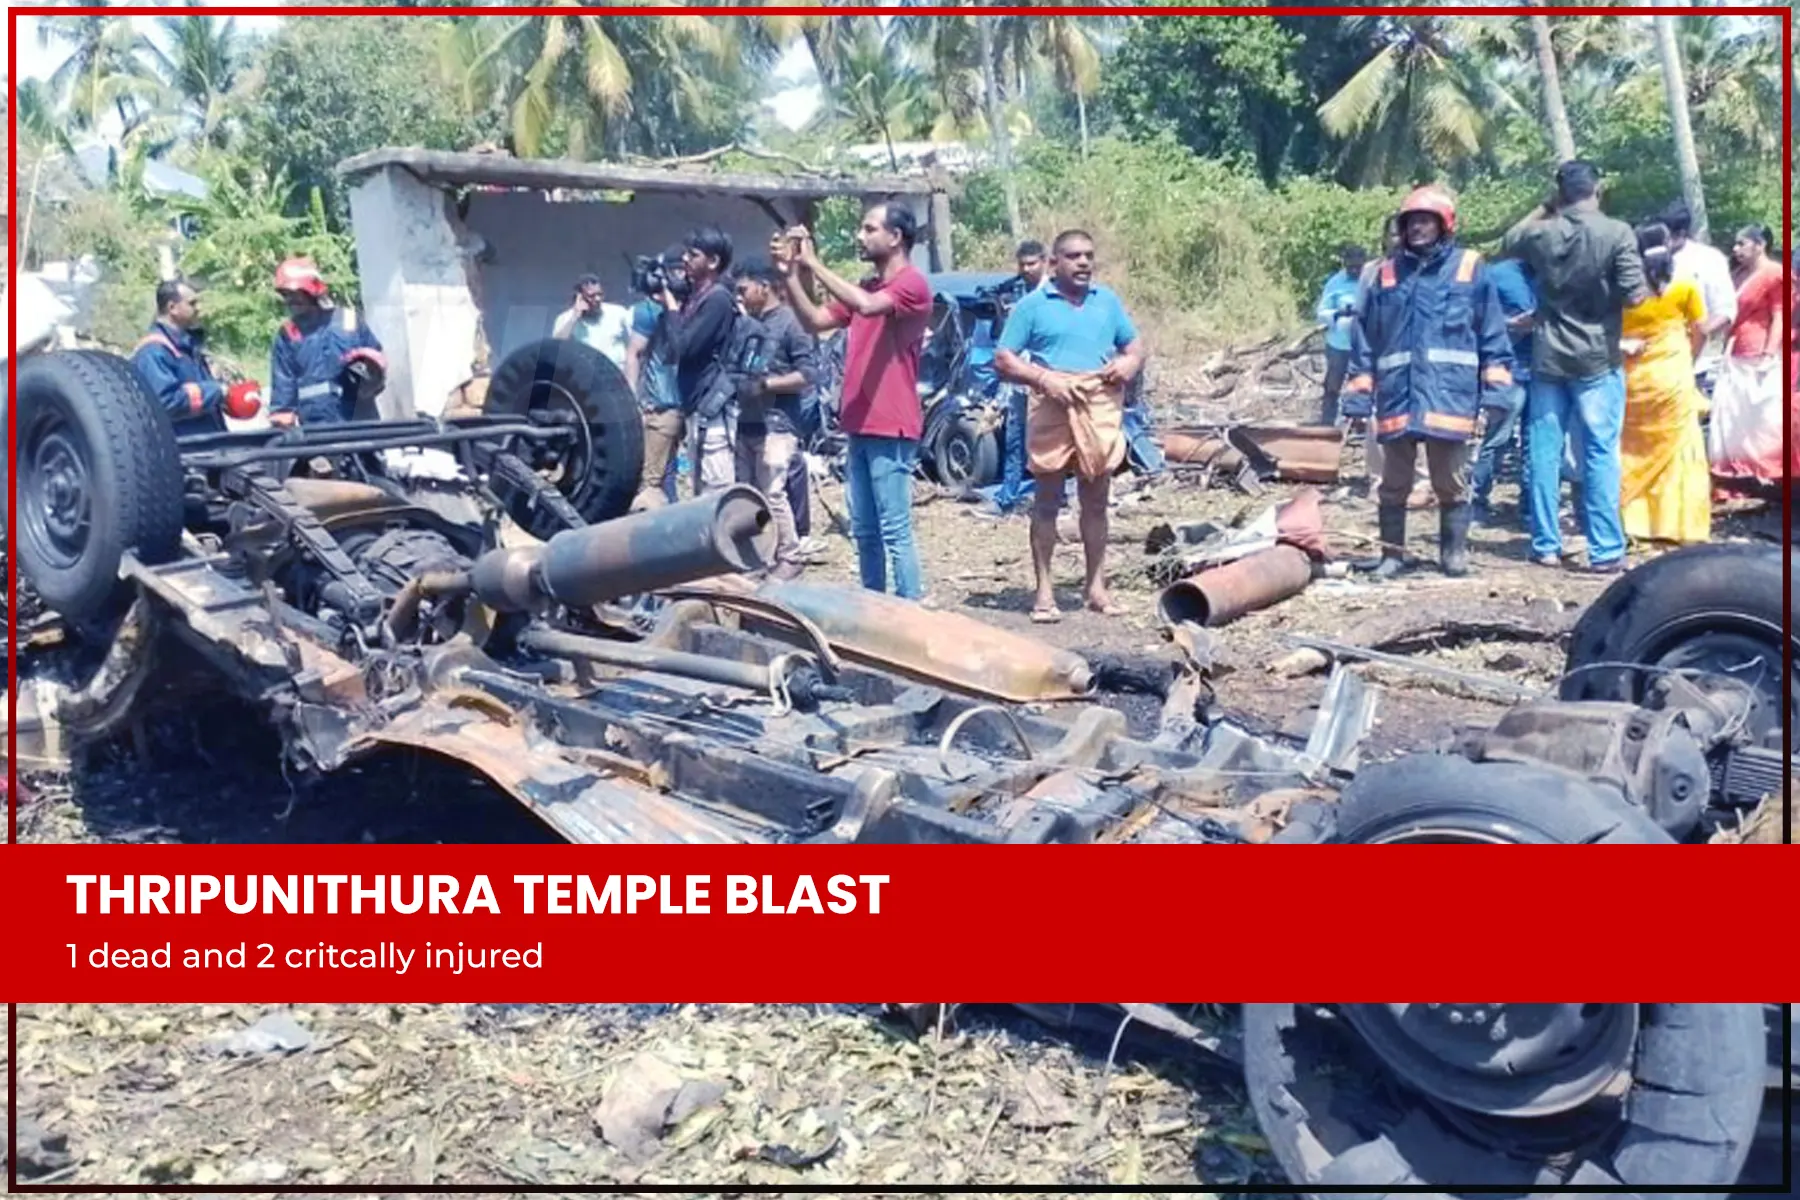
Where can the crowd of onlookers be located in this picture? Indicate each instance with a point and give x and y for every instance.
(1638, 365)
(728, 368)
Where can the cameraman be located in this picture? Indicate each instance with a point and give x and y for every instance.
(700, 328)
(650, 370)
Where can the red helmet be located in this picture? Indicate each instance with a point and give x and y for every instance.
(243, 399)
(299, 275)
(1433, 200)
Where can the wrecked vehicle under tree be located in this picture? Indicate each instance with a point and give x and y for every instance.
(472, 587)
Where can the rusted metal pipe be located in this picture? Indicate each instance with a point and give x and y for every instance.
(753, 677)
(1189, 447)
(730, 530)
(431, 584)
(945, 648)
(1224, 594)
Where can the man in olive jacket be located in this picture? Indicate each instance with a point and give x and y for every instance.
(1588, 272)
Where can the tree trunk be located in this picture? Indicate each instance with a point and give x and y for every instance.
(990, 85)
(824, 63)
(1556, 116)
(37, 174)
(1081, 116)
(1675, 90)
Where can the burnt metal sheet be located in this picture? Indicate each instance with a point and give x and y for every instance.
(585, 803)
(1297, 453)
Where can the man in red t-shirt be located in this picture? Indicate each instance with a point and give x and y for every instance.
(887, 315)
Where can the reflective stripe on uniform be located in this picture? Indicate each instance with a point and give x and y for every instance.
(1387, 273)
(1390, 424)
(1450, 421)
(1388, 362)
(1497, 375)
(156, 339)
(316, 389)
(1460, 358)
(1465, 270)
(348, 320)
(196, 398)
(1360, 383)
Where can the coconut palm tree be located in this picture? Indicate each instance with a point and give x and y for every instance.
(1687, 161)
(610, 81)
(1420, 105)
(879, 95)
(102, 72)
(1556, 115)
(200, 66)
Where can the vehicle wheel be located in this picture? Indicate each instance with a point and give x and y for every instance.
(99, 474)
(1716, 608)
(1445, 798)
(966, 457)
(1410, 1094)
(1336, 1112)
(562, 380)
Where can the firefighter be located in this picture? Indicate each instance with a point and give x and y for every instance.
(1430, 343)
(170, 359)
(326, 360)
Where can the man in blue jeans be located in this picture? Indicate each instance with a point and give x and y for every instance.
(887, 315)
(1502, 407)
(1033, 272)
(1587, 272)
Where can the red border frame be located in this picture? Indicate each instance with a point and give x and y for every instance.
(1782, 13)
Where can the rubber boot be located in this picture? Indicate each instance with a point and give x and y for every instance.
(1453, 539)
(1393, 541)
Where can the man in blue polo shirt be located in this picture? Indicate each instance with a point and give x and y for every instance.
(1073, 345)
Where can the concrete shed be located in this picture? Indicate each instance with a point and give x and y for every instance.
(464, 257)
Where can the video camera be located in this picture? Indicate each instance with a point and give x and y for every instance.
(648, 275)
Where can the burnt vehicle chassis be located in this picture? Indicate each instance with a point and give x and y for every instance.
(628, 679)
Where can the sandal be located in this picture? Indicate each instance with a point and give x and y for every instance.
(1046, 616)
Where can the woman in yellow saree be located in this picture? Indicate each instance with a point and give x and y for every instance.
(1666, 489)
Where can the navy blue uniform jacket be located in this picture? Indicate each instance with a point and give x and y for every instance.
(308, 365)
(169, 360)
(1431, 338)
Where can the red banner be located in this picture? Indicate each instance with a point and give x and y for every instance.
(881, 923)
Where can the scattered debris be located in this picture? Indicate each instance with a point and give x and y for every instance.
(795, 1160)
(39, 1152)
(1484, 686)
(647, 1099)
(276, 1033)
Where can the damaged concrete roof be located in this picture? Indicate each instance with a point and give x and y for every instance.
(502, 170)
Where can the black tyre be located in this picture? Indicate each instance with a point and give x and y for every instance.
(1715, 608)
(1347, 1096)
(599, 471)
(1446, 798)
(1336, 1115)
(99, 475)
(964, 456)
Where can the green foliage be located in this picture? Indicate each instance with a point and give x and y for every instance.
(242, 232)
(333, 87)
(122, 242)
(1226, 88)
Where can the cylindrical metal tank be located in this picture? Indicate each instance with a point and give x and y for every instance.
(727, 531)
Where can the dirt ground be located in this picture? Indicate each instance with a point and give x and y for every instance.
(406, 1095)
